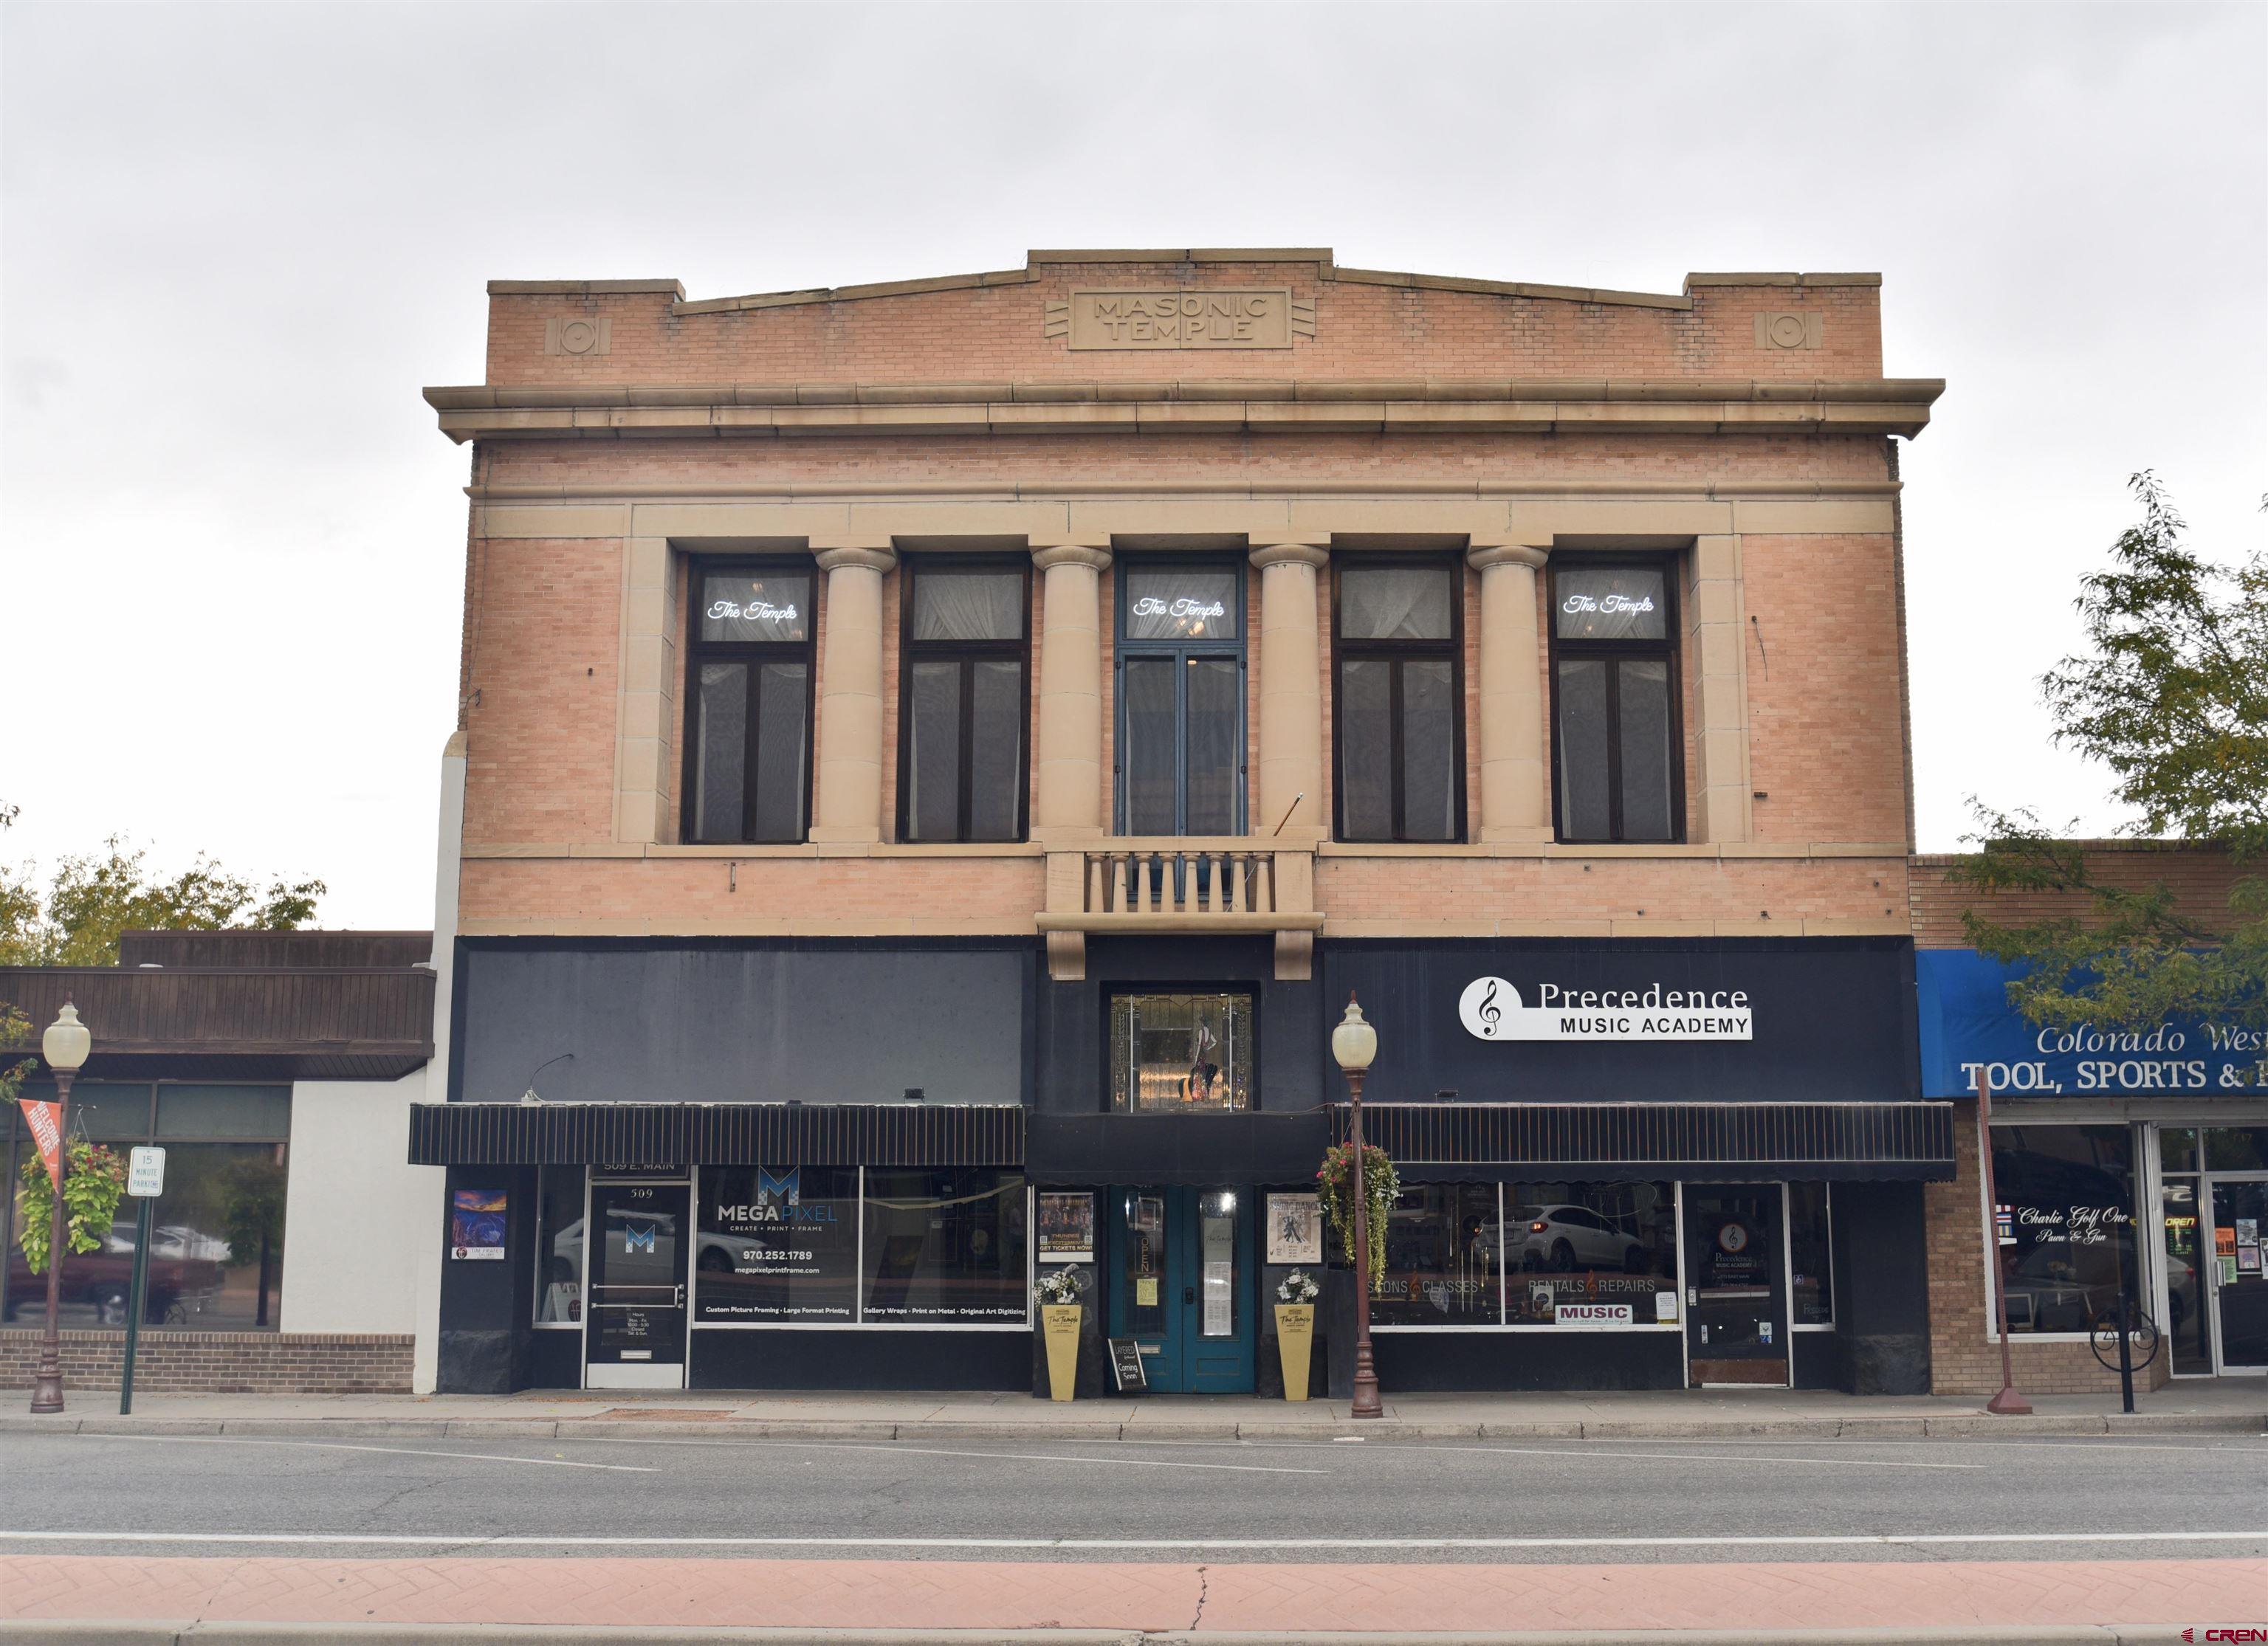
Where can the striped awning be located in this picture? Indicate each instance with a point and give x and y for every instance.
(1699, 1142)
(716, 1133)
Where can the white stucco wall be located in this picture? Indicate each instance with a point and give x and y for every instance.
(358, 1219)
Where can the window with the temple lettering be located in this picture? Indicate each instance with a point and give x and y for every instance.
(1615, 748)
(961, 700)
(1180, 651)
(1399, 724)
(747, 743)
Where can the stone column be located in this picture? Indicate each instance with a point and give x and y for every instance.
(1290, 692)
(1068, 758)
(850, 804)
(1515, 802)
(1720, 713)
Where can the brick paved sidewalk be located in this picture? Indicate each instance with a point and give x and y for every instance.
(673, 1592)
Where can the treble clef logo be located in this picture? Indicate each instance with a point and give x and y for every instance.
(1490, 1013)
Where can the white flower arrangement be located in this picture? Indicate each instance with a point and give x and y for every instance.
(1297, 1287)
(1061, 1287)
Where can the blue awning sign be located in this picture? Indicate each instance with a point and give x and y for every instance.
(1967, 1023)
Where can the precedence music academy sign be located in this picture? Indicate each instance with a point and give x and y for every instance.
(1492, 1010)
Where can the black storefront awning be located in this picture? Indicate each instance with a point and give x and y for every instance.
(1710, 1143)
(1177, 1149)
(721, 1134)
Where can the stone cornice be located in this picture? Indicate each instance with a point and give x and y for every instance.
(1877, 406)
(1014, 490)
(1035, 262)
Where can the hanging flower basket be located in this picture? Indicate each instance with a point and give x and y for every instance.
(94, 1179)
(1382, 1187)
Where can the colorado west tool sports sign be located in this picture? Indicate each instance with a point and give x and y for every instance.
(1492, 1010)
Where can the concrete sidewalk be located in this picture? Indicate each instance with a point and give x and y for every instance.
(2225, 1406)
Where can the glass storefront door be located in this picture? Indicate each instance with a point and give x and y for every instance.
(1182, 1284)
(1735, 1285)
(2234, 1273)
(635, 1336)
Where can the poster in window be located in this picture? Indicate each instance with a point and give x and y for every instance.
(476, 1223)
(777, 1244)
(2247, 1259)
(1295, 1229)
(1067, 1227)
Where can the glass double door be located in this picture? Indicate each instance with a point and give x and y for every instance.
(1181, 1286)
(634, 1337)
(1735, 1285)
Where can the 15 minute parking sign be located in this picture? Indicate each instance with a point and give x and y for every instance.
(146, 1173)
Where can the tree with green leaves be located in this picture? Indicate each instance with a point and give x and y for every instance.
(93, 897)
(15, 1027)
(2172, 696)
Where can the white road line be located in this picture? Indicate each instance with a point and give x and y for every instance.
(1555, 1451)
(940, 1451)
(335, 1445)
(1695, 1457)
(474, 1541)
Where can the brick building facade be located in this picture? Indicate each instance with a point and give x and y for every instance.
(952, 746)
(2166, 1132)
(290, 1250)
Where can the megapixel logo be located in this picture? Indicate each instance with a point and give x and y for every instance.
(784, 1191)
(637, 1239)
(778, 1198)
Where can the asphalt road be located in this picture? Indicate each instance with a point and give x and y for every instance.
(1553, 1500)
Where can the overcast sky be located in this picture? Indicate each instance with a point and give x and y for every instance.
(238, 241)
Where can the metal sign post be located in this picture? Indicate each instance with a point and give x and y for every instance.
(145, 1181)
(2007, 1403)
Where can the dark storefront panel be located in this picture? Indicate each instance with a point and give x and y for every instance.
(1823, 1092)
(555, 1360)
(1414, 1363)
(696, 1022)
(1833, 1020)
(1193, 1149)
(862, 1358)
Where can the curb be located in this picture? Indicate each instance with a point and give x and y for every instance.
(1167, 1429)
(89, 1632)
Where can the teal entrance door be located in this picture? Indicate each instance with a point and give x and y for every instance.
(1182, 1285)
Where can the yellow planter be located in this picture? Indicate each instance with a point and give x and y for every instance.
(1059, 1321)
(1295, 1341)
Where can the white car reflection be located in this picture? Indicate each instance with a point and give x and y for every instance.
(1565, 1238)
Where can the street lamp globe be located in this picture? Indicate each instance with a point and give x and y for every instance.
(65, 1043)
(1354, 1043)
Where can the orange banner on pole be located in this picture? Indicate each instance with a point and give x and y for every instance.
(46, 1121)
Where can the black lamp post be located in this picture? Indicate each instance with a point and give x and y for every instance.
(1353, 1044)
(64, 1045)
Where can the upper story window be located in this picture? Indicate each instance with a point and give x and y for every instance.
(1179, 1054)
(962, 693)
(1399, 731)
(1614, 716)
(1181, 698)
(748, 754)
